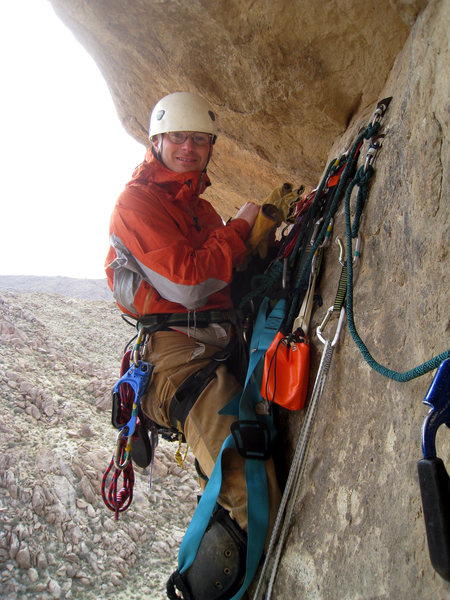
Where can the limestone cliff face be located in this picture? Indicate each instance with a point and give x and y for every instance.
(292, 83)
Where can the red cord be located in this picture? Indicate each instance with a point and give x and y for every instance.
(119, 501)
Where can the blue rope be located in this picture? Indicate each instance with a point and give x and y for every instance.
(361, 180)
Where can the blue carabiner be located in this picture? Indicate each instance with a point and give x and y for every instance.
(137, 377)
(438, 397)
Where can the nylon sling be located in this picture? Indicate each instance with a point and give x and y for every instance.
(255, 474)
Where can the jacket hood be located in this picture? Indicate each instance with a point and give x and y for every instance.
(153, 171)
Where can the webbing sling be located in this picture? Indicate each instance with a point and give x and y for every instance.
(255, 473)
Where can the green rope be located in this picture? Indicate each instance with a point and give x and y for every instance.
(369, 132)
(361, 179)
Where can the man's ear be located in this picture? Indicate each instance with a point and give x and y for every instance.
(155, 142)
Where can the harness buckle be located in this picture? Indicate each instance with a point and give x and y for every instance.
(252, 439)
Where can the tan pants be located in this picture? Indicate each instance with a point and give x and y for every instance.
(177, 356)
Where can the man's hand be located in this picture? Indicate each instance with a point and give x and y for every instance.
(248, 212)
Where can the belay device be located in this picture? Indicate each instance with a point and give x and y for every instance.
(433, 477)
(127, 394)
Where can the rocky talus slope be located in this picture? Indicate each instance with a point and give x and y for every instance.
(60, 357)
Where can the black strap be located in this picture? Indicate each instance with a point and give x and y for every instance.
(187, 394)
(197, 319)
(176, 582)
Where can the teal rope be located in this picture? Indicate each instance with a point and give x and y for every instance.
(369, 132)
(361, 180)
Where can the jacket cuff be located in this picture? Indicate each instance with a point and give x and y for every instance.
(241, 227)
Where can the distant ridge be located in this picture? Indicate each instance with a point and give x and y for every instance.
(88, 289)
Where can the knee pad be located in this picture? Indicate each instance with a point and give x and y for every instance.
(219, 567)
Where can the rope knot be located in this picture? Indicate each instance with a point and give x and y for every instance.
(364, 175)
(372, 130)
(122, 497)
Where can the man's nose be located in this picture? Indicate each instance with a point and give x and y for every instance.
(188, 144)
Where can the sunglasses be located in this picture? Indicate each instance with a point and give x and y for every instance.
(179, 137)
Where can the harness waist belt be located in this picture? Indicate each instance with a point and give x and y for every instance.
(199, 319)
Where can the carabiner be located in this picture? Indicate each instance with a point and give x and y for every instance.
(356, 255)
(438, 399)
(433, 477)
(338, 328)
(127, 455)
(317, 226)
(381, 108)
(341, 258)
(371, 154)
(284, 277)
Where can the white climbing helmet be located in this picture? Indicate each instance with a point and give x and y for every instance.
(182, 111)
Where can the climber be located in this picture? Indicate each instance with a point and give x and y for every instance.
(170, 262)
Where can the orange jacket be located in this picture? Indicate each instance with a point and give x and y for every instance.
(170, 251)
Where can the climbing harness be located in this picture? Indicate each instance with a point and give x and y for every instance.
(433, 477)
(138, 436)
(293, 483)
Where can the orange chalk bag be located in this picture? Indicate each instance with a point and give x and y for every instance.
(286, 371)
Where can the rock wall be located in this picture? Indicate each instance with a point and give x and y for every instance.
(358, 527)
(290, 80)
(284, 77)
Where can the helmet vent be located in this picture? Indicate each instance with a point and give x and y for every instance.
(212, 115)
(160, 114)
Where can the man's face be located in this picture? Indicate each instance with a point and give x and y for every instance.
(187, 155)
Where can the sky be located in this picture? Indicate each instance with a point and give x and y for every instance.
(64, 155)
